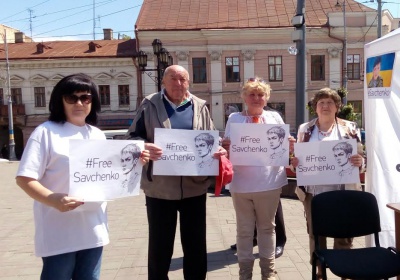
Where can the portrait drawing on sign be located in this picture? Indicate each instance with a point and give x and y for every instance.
(342, 153)
(204, 143)
(130, 155)
(275, 137)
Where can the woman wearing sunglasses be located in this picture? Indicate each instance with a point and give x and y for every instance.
(256, 190)
(69, 241)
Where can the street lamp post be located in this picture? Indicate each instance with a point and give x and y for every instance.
(344, 80)
(299, 36)
(11, 143)
(379, 18)
(164, 59)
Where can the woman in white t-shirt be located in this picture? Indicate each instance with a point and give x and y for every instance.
(70, 241)
(256, 190)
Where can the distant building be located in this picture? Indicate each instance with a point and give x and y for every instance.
(11, 34)
(35, 68)
(223, 43)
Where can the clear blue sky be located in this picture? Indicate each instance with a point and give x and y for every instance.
(73, 19)
(392, 5)
(70, 20)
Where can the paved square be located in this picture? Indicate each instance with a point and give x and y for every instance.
(126, 256)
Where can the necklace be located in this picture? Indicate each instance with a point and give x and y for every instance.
(324, 133)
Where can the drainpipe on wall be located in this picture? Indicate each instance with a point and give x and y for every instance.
(139, 74)
(344, 54)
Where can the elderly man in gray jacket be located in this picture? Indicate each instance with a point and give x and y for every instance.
(174, 107)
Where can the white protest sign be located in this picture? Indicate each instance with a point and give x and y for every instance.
(186, 152)
(259, 144)
(104, 169)
(326, 162)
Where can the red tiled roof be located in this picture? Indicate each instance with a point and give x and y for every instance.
(234, 14)
(70, 49)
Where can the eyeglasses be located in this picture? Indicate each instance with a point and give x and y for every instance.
(84, 98)
(256, 80)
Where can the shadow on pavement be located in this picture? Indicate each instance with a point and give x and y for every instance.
(215, 260)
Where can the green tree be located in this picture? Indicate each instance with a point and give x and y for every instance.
(346, 111)
(125, 37)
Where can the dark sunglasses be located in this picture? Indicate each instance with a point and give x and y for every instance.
(72, 99)
(256, 80)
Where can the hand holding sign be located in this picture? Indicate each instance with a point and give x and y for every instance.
(154, 151)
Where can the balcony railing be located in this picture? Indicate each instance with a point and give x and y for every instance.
(18, 110)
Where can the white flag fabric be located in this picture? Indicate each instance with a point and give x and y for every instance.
(382, 127)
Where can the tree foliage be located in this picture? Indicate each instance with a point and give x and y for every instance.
(346, 111)
(125, 37)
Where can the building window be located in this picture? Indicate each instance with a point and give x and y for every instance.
(357, 109)
(104, 92)
(353, 67)
(232, 69)
(277, 106)
(199, 70)
(232, 108)
(16, 96)
(317, 67)
(275, 68)
(40, 96)
(123, 94)
(1, 97)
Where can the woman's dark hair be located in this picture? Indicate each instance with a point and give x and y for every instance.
(326, 93)
(67, 86)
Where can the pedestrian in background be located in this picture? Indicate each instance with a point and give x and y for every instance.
(4, 151)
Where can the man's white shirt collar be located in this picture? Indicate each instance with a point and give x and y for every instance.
(173, 105)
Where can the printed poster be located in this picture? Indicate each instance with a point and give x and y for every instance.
(379, 75)
(259, 144)
(186, 152)
(103, 170)
(326, 162)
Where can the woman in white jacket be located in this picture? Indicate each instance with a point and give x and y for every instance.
(327, 126)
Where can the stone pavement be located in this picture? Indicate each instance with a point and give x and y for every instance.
(126, 256)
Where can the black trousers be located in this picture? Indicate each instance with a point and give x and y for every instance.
(162, 217)
(280, 230)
